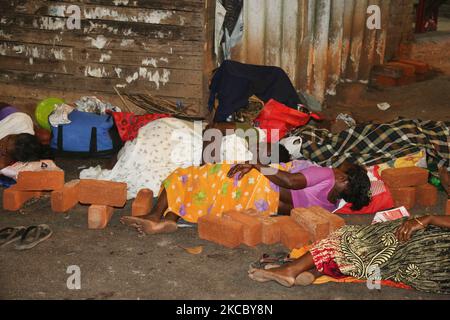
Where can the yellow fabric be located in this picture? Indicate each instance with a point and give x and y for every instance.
(196, 191)
(413, 160)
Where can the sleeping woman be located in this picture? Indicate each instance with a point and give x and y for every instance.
(17, 139)
(193, 192)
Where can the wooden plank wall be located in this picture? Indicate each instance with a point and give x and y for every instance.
(155, 46)
(321, 43)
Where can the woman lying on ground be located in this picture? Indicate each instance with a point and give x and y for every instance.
(17, 139)
(166, 144)
(213, 189)
(414, 252)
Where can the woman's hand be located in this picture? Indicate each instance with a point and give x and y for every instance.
(405, 232)
(241, 169)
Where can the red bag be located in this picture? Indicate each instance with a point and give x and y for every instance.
(277, 116)
(128, 124)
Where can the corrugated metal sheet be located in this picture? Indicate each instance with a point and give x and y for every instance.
(318, 42)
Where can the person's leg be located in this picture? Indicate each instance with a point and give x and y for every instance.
(296, 272)
(152, 223)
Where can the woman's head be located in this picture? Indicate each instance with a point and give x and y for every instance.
(355, 186)
(26, 147)
(283, 155)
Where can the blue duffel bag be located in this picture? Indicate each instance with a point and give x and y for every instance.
(88, 134)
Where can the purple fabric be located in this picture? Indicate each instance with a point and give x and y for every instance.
(6, 111)
(320, 181)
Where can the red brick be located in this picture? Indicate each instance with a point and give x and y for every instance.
(405, 177)
(427, 195)
(317, 226)
(404, 197)
(107, 193)
(270, 233)
(384, 81)
(99, 216)
(447, 210)
(13, 199)
(421, 67)
(66, 198)
(143, 203)
(292, 235)
(408, 70)
(335, 221)
(252, 227)
(45, 180)
(220, 230)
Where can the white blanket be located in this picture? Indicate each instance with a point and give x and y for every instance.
(161, 147)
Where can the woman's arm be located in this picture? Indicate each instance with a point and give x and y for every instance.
(281, 178)
(405, 232)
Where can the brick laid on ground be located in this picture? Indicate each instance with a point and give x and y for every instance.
(252, 227)
(317, 226)
(14, 199)
(270, 231)
(45, 180)
(108, 193)
(223, 231)
(427, 195)
(66, 198)
(404, 197)
(292, 235)
(99, 216)
(335, 221)
(405, 177)
(142, 205)
(421, 67)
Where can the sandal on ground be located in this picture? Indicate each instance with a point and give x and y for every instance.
(271, 261)
(33, 236)
(10, 235)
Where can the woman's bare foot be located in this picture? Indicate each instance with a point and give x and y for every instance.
(305, 279)
(278, 275)
(146, 226)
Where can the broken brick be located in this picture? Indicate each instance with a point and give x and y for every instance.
(317, 226)
(143, 203)
(252, 227)
(44, 180)
(335, 221)
(14, 199)
(99, 216)
(292, 235)
(220, 230)
(387, 71)
(405, 177)
(427, 195)
(108, 193)
(404, 197)
(66, 198)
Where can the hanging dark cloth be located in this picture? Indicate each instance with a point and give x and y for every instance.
(234, 83)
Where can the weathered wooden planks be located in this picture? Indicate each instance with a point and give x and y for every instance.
(137, 46)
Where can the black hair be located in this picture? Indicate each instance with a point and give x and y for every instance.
(28, 148)
(283, 154)
(358, 193)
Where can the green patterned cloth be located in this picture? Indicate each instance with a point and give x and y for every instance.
(422, 263)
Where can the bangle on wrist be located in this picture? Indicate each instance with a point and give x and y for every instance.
(419, 222)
